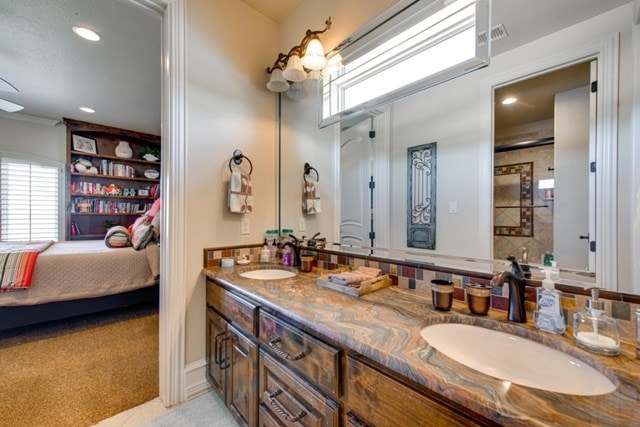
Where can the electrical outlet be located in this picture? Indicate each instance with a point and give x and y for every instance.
(302, 225)
(245, 226)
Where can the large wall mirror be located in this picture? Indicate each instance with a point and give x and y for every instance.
(479, 149)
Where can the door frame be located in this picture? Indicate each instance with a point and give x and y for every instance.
(606, 51)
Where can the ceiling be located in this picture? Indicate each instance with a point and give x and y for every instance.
(56, 72)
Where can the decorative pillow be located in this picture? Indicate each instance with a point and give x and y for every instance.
(142, 235)
(156, 227)
(117, 237)
(154, 209)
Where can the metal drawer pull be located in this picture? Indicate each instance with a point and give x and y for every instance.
(218, 349)
(281, 411)
(353, 420)
(283, 353)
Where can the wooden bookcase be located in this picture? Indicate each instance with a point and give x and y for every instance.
(90, 208)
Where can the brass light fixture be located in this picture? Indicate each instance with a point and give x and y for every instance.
(300, 70)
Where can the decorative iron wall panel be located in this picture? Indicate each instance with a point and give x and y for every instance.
(421, 195)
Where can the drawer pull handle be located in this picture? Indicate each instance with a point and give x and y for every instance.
(353, 420)
(281, 411)
(283, 353)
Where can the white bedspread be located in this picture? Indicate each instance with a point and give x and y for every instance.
(85, 269)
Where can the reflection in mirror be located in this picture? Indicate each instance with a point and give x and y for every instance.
(542, 199)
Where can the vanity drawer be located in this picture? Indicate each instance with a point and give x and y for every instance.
(374, 399)
(314, 359)
(286, 398)
(234, 308)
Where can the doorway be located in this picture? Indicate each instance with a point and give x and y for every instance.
(544, 192)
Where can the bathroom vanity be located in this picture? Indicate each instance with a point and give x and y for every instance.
(286, 351)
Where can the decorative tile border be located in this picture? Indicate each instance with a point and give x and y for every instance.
(525, 171)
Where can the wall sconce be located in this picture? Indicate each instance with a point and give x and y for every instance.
(300, 71)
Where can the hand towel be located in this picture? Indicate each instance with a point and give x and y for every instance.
(240, 198)
(354, 278)
(310, 197)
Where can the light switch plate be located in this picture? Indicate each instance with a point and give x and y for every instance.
(302, 224)
(245, 226)
(453, 206)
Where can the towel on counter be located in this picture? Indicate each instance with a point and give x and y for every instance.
(240, 198)
(354, 278)
(310, 197)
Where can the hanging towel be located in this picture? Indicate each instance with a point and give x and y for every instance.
(240, 198)
(310, 197)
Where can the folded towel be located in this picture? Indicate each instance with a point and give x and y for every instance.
(240, 198)
(354, 278)
(310, 197)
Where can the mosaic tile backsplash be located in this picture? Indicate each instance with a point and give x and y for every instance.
(419, 278)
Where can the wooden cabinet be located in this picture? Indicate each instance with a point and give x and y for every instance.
(232, 353)
(287, 399)
(102, 188)
(272, 373)
(375, 399)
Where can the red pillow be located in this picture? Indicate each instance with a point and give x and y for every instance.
(155, 208)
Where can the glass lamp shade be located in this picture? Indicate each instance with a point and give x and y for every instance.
(277, 83)
(312, 84)
(294, 71)
(314, 58)
(296, 91)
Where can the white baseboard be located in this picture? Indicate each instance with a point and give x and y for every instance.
(195, 374)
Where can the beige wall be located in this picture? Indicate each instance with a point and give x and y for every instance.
(229, 45)
(47, 142)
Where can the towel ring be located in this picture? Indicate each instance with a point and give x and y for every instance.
(307, 170)
(237, 159)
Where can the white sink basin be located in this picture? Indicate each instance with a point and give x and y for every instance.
(268, 274)
(515, 359)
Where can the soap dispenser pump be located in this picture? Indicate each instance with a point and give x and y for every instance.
(593, 330)
(548, 315)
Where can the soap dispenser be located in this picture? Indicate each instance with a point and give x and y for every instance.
(548, 315)
(593, 330)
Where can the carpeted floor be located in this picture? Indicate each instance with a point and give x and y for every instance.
(80, 371)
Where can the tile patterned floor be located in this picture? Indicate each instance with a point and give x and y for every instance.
(205, 410)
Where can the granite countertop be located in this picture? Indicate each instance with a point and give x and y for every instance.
(385, 327)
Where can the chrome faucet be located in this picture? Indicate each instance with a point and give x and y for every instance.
(516, 280)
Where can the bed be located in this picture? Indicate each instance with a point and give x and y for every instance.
(80, 277)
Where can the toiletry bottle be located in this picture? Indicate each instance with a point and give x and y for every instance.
(265, 254)
(273, 250)
(594, 330)
(548, 315)
(286, 256)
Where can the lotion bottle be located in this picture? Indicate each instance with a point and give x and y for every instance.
(548, 315)
(265, 254)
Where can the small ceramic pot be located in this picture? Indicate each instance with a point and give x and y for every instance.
(478, 298)
(442, 294)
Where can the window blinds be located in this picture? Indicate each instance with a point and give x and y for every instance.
(28, 199)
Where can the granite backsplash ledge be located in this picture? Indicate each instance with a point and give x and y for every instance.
(414, 275)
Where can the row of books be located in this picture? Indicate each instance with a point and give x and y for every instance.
(118, 169)
(154, 190)
(75, 229)
(107, 206)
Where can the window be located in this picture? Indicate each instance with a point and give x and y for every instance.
(29, 198)
(423, 45)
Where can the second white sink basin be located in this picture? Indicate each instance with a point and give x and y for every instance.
(515, 359)
(268, 274)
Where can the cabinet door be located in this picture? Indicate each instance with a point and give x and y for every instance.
(242, 383)
(216, 354)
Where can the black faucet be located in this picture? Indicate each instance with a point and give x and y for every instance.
(516, 280)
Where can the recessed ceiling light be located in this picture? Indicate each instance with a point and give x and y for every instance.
(508, 101)
(88, 110)
(87, 33)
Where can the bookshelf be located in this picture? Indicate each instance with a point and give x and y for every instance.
(104, 188)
